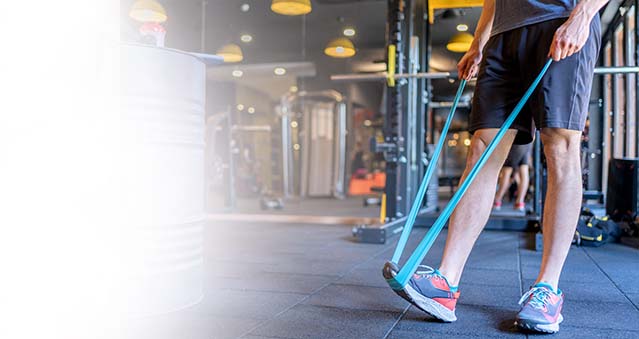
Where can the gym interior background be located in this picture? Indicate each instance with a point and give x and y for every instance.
(313, 122)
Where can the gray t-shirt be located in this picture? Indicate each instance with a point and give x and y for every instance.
(511, 14)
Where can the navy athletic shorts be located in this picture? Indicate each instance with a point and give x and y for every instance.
(518, 155)
(512, 60)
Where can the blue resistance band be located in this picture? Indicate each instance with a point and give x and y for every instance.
(404, 274)
(432, 165)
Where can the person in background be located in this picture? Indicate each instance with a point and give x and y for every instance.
(517, 163)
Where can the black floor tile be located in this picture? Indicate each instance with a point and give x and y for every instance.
(315, 266)
(472, 320)
(263, 337)
(634, 297)
(271, 282)
(247, 304)
(572, 332)
(570, 273)
(187, 325)
(403, 334)
(358, 297)
(489, 277)
(489, 295)
(365, 277)
(308, 321)
(601, 315)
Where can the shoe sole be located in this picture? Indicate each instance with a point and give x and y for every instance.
(425, 304)
(537, 327)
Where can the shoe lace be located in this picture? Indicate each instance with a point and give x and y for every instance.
(539, 298)
(427, 270)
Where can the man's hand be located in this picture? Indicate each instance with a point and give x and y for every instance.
(570, 37)
(468, 66)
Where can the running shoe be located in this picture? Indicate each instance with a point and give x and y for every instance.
(429, 290)
(541, 310)
(520, 206)
(497, 205)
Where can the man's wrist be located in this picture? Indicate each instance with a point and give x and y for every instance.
(588, 8)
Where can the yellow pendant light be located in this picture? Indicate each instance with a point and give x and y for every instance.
(230, 53)
(340, 48)
(148, 11)
(460, 42)
(291, 7)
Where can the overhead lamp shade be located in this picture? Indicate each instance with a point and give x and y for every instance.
(340, 48)
(147, 11)
(460, 42)
(230, 53)
(291, 7)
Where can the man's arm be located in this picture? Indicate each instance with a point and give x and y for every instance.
(573, 34)
(469, 63)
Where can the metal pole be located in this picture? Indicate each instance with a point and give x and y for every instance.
(636, 52)
(617, 70)
(446, 75)
(448, 104)
(393, 108)
(384, 76)
(421, 32)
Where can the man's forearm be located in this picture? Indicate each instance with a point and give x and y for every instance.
(485, 24)
(588, 8)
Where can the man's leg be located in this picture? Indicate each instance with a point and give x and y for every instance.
(523, 184)
(473, 210)
(563, 199)
(504, 183)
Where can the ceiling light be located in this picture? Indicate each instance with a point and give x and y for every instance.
(237, 73)
(367, 123)
(251, 110)
(296, 147)
(230, 53)
(291, 7)
(466, 142)
(460, 42)
(148, 11)
(279, 71)
(293, 89)
(462, 27)
(349, 32)
(240, 107)
(340, 48)
(294, 124)
(245, 7)
(246, 38)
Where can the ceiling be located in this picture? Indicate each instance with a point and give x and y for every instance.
(284, 39)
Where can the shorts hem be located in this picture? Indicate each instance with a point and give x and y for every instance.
(563, 124)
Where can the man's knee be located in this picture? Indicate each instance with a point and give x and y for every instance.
(561, 148)
(477, 147)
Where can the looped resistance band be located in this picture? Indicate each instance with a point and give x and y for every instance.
(404, 274)
(430, 169)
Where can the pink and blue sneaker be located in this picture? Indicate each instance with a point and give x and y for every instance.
(429, 291)
(541, 310)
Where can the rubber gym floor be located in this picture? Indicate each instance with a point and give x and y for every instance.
(313, 281)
